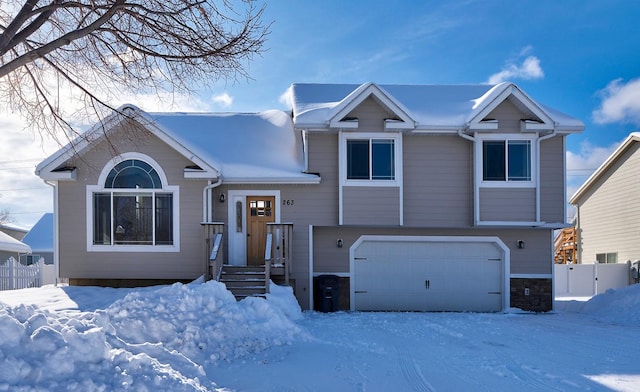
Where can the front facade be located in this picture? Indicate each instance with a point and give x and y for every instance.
(415, 197)
(607, 213)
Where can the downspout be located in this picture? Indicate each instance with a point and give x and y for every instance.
(207, 204)
(539, 142)
(56, 247)
(476, 190)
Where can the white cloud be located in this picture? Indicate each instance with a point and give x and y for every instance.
(529, 69)
(225, 100)
(620, 103)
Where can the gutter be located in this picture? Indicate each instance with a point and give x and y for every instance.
(207, 204)
(56, 242)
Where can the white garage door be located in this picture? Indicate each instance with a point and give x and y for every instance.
(428, 274)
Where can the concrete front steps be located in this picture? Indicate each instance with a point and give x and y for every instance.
(244, 281)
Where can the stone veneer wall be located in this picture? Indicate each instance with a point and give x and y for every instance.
(540, 298)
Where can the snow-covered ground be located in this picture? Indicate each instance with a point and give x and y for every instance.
(196, 337)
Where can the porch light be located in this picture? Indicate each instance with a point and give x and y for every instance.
(221, 198)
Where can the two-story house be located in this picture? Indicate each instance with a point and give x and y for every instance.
(417, 197)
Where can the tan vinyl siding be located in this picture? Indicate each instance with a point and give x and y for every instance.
(552, 192)
(535, 258)
(375, 206)
(508, 204)
(321, 201)
(76, 262)
(438, 184)
(370, 115)
(508, 116)
(610, 213)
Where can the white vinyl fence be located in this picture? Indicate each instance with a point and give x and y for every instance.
(586, 280)
(14, 275)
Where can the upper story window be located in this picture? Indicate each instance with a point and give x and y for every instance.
(370, 159)
(506, 160)
(133, 208)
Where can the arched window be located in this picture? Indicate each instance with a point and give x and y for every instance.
(133, 205)
(133, 173)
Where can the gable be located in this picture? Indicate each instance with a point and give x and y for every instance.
(399, 117)
(371, 115)
(509, 115)
(134, 127)
(507, 99)
(617, 176)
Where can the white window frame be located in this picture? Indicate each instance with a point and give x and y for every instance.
(397, 143)
(506, 137)
(166, 189)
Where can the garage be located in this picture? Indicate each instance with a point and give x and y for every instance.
(426, 273)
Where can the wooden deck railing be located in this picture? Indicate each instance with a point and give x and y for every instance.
(214, 250)
(566, 246)
(279, 248)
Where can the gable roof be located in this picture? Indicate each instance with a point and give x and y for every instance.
(431, 107)
(234, 147)
(604, 168)
(40, 237)
(10, 244)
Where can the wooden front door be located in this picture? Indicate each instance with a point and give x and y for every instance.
(260, 211)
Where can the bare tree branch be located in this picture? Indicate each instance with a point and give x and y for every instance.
(91, 50)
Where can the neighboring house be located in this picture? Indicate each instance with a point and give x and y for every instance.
(416, 197)
(40, 239)
(608, 210)
(11, 247)
(14, 231)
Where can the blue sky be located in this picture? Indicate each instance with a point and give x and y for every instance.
(580, 57)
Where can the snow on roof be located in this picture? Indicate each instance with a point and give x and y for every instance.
(10, 244)
(40, 237)
(429, 105)
(243, 146)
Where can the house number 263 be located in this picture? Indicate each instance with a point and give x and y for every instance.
(288, 202)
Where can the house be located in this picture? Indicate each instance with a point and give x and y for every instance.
(607, 210)
(11, 247)
(14, 231)
(40, 240)
(413, 197)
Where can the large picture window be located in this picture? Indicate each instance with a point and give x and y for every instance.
(133, 207)
(506, 160)
(371, 159)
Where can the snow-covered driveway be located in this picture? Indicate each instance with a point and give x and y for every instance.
(446, 352)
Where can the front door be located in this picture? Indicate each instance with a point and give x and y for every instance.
(260, 211)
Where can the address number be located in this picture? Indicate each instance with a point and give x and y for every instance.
(288, 202)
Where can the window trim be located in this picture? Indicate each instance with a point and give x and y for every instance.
(172, 189)
(506, 137)
(397, 142)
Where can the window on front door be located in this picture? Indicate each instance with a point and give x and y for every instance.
(260, 211)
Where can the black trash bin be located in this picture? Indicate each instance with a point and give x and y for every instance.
(326, 293)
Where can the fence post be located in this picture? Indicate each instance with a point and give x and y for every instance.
(12, 272)
(40, 272)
